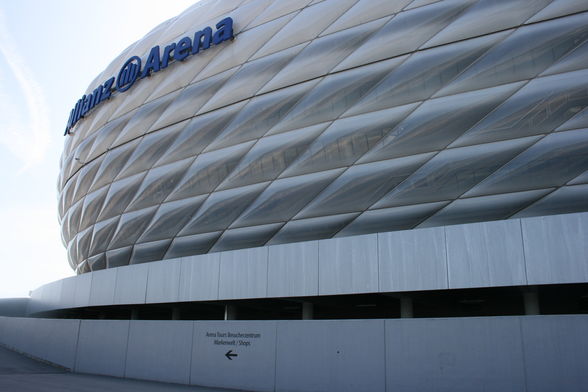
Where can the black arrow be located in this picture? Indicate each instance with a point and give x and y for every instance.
(230, 354)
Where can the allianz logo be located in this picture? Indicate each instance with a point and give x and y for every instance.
(133, 69)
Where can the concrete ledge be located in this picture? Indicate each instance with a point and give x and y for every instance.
(516, 252)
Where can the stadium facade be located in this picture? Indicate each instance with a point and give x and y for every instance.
(356, 161)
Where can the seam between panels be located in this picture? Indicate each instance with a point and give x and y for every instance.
(385, 322)
(523, 353)
(75, 361)
(524, 251)
(220, 258)
(276, 356)
(267, 261)
(127, 348)
(191, 353)
(446, 258)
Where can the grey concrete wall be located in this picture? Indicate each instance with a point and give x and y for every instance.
(517, 252)
(518, 353)
(14, 307)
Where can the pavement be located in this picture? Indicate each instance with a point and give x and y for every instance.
(19, 373)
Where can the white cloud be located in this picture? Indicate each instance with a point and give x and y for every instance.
(25, 134)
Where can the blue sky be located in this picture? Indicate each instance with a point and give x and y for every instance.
(50, 51)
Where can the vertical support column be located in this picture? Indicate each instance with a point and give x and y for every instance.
(531, 298)
(134, 314)
(406, 307)
(230, 312)
(307, 311)
(176, 313)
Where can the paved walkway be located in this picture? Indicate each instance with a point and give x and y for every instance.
(22, 374)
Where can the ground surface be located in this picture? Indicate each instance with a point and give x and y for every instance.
(19, 373)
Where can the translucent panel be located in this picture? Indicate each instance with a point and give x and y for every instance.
(83, 268)
(130, 227)
(67, 194)
(81, 153)
(335, 94)
(271, 155)
(260, 114)
(580, 120)
(416, 80)
(112, 164)
(102, 234)
(86, 176)
(321, 55)
(74, 218)
(415, 26)
(209, 170)
(249, 42)
(390, 219)
(197, 133)
(170, 218)
(539, 107)
(565, 200)
(559, 8)
(452, 172)
(573, 61)
(365, 11)
(247, 237)
(306, 25)
(120, 195)
(158, 183)
(346, 140)
(65, 229)
(523, 55)
(72, 252)
(92, 206)
(250, 78)
(149, 251)
(362, 185)
(481, 209)
(221, 209)
(311, 229)
(97, 262)
(191, 99)
(277, 9)
(284, 198)
(553, 161)
(143, 118)
(582, 178)
(118, 257)
(106, 135)
(151, 148)
(83, 239)
(438, 122)
(486, 17)
(191, 245)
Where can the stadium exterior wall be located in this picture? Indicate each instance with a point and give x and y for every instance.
(327, 119)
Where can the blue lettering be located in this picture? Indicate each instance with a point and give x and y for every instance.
(152, 63)
(183, 49)
(224, 32)
(202, 40)
(167, 55)
(131, 69)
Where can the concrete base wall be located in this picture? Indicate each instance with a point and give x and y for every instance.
(522, 353)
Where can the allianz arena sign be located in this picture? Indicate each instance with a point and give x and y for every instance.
(133, 69)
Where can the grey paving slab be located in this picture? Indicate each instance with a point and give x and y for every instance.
(23, 374)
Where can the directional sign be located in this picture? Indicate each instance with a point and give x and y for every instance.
(230, 354)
